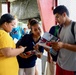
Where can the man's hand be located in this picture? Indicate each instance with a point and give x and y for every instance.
(47, 49)
(57, 45)
(49, 58)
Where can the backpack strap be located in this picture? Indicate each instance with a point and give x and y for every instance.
(60, 29)
(72, 29)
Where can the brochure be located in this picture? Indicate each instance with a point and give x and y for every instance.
(46, 39)
(32, 52)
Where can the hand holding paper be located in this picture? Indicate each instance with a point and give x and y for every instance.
(46, 40)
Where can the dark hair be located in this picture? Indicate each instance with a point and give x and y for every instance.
(6, 18)
(29, 20)
(60, 10)
(33, 22)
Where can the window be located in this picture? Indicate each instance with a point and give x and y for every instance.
(4, 8)
(71, 4)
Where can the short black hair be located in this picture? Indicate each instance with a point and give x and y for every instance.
(6, 18)
(60, 10)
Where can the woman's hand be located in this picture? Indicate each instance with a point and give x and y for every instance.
(36, 47)
(23, 55)
(10, 52)
(39, 54)
(22, 48)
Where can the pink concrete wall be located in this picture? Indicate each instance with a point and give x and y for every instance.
(46, 13)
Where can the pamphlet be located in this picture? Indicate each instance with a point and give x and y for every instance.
(32, 52)
(46, 40)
